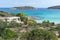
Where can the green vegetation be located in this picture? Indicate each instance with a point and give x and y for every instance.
(3, 24)
(13, 24)
(47, 24)
(38, 34)
(31, 23)
(23, 17)
(58, 29)
(8, 34)
(5, 14)
(29, 27)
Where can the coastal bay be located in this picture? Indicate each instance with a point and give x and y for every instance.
(40, 14)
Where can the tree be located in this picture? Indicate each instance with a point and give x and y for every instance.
(23, 17)
(8, 34)
(38, 34)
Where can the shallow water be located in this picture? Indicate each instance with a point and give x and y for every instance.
(40, 15)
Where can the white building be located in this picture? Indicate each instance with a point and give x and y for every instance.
(9, 19)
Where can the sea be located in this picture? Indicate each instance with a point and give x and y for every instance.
(39, 15)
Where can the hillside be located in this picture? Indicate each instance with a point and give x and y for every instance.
(54, 7)
(23, 8)
(4, 14)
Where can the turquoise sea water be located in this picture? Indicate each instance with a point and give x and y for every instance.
(40, 15)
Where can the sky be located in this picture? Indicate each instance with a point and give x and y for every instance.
(34, 3)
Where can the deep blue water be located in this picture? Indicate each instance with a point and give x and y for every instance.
(40, 15)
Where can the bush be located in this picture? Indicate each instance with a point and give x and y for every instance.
(13, 24)
(31, 23)
(8, 34)
(38, 34)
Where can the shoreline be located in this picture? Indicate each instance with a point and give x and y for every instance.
(40, 21)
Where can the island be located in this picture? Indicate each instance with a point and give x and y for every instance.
(23, 8)
(54, 7)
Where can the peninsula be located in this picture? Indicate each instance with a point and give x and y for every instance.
(54, 7)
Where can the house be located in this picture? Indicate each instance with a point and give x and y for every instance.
(9, 19)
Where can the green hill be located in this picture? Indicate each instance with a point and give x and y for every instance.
(5, 14)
